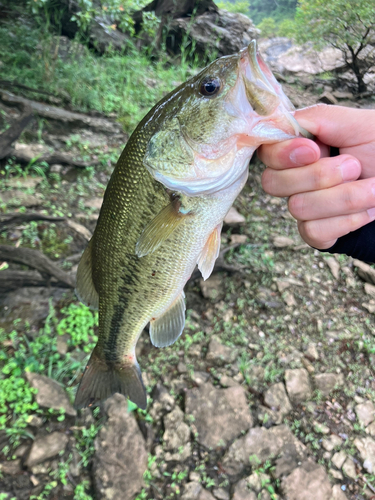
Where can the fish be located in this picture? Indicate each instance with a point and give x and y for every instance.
(163, 210)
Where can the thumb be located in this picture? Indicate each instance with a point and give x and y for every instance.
(338, 126)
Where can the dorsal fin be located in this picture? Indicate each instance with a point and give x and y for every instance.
(166, 329)
(85, 288)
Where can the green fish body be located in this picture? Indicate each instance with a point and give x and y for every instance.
(163, 208)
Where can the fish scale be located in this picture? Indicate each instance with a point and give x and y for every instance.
(163, 208)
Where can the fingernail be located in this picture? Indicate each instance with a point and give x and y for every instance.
(350, 169)
(303, 155)
(371, 213)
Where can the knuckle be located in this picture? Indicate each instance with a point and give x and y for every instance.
(350, 198)
(311, 232)
(296, 206)
(268, 181)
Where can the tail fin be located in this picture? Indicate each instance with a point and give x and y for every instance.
(101, 380)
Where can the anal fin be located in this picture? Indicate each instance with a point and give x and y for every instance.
(210, 252)
(101, 380)
(85, 288)
(160, 228)
(166, 329)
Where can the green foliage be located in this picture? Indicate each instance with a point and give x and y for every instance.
(125, 84)
(241, 7)
(19, 353)
(278, 9)
(340, 24)
(79, 322)
(268, 27)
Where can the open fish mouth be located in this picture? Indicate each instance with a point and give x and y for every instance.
(263, 91)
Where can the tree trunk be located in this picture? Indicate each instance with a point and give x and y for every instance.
(355, 67)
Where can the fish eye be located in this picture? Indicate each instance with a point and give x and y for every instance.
(210, 86)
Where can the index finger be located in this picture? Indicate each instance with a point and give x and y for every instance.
(287, 154)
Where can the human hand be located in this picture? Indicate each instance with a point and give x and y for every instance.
(329, 197)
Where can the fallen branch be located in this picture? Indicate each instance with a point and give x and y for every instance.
(36, 260)
(14, 131)
(52, 158)
(8, 83)
(18, 218)
(12, 279)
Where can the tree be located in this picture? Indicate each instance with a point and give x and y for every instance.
(346, 25)
(278, 9)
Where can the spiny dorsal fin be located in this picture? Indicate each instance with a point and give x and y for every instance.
(100, 380)
(85, 288)
(160, 228)
(210, 253)
(166, 329)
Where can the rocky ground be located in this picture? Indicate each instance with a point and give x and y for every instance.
(268, 394)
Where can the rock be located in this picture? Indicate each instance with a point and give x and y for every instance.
(338, 459)
(328, 98)
(11, 467)
(349, 468)
(16, 198)
(298, 385)
(116, 472)
(194, 491)
(331, 442)
(79, 228)
(95, 203)
(336, 474)
(242, 492)
(282, 242)
(46, 447)
(277, 399)
(365, 413)
(219, 354)
(303, 59)
(311, 352)
(371, 429)
(366, 448)
(327, 382)
(369, 306)
(177, 433)
(238, 239)
(370, 290)
(200, 378)
(307, 482)
(213, 287)
(226, 381)
(261, 444)
(333, 265)
(221, 494)
(220, 415)
(50, 393)
(366, 272)
(233, 218)
(321, 428)
(222, 32)
(340, 94)
(337, 493)
(24, 182)
(289, 299)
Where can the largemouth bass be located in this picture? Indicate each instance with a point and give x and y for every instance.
(162, 212)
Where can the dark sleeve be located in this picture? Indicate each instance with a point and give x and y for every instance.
(359, 244)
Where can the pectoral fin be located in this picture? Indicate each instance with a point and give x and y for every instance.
(160, 228)
(85, 289)
(210, 253)
(166, 329)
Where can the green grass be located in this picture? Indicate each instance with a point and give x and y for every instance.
(21, 353)
(127, 84)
